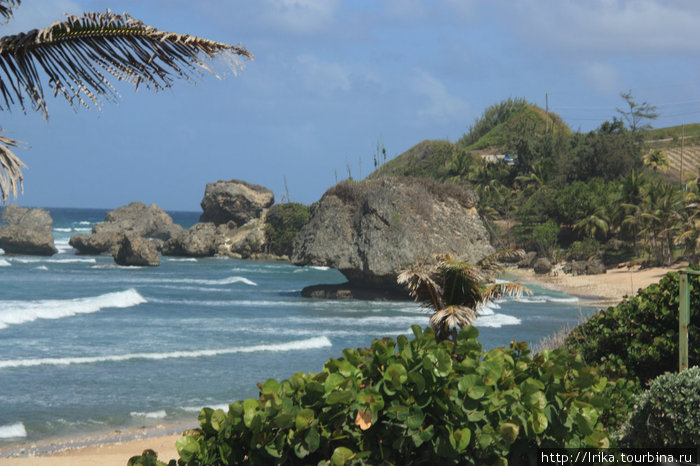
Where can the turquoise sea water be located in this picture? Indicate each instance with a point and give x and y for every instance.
(87, 346)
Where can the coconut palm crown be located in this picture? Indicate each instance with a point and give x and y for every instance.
(75, 54)
(454, 289)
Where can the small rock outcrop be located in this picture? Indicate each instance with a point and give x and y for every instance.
(371, 230)
(136, 219)
(134, 250)
(28, 231)
(234, 200)
(542, 266)
(588, 267)
(227, 240)
(198, 241)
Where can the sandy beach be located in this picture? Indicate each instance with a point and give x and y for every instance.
(602, 290)
(115, 449)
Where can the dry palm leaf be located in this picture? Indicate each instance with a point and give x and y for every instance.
(496, 290)
(10, 168)
(6, 7)
(75, 54)
(422, 288)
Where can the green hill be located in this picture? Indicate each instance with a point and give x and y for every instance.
(526, 117)
(427, 159)
(490, 134)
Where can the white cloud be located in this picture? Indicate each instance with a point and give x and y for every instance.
(439, 103)
(629, 26)
(301, 17)
(324, 77)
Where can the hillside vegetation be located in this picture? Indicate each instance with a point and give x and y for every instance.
(612, 193)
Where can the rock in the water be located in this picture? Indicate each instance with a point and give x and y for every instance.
(371, 230)
(198, 241)
(542, 266)
(134, 250)
(28, 231)
(234, 200)
(135, 218)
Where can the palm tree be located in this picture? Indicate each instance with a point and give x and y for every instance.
(76, 53)
(454, 289)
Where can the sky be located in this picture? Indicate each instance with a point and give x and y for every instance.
(331, 80)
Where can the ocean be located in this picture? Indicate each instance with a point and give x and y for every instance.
(87, 346)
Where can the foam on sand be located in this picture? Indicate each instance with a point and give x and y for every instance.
(19, 312)
(309, 343)
(16, 430)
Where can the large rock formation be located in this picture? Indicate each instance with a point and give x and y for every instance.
(134, 250)
(232, 223)
(28, 231)
(206, 239)
(135, 218)
(371, 230)
(236, 201)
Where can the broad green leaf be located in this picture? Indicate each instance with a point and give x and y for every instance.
(509, 431)
(395, 375)
(333, 381)
(270, 386)
(418, 381)
(539, 422)
(304, 418)
(250, 409)
(341, 456)
(536, 400)
(459, 439)
(340, 396)
(187, 447)
(312, 440)
(218, 418)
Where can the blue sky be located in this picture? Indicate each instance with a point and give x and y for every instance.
(332, 78)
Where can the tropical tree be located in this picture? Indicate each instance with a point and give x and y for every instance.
(75, 54)
(657, 160)
(454, 290)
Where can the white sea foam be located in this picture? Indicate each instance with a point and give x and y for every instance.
(84, 222)
(161, 414)
(4, 263)
(65, 230)
(82, 229)
(182, 259)
(496, 320)
(56, 260)
(41, 267)
(309, 343)
(19, 312)
(195, 409)
(538, 299)
(16, 430)
(319, 267)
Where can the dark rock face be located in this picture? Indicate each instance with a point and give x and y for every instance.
(135, 250)
(542, 266)
(527, 261)
(228, 240)
(135, 218)
(371, 230)
(234, 200)
(28, 231)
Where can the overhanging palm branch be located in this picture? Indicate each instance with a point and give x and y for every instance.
(76, 54)
(10, 168)
(6, 7)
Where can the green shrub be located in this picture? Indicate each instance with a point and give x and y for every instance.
(413, 401)
(282, 223)
(639, 336)
(668, 414)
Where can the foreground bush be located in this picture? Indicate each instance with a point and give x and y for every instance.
(668, 414)
(412, 402)
(639, 336)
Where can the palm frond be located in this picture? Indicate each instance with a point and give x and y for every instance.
(451, 317)
(10, 169)
(76, 53)
(496, 290)
(6, 7)
(460, 282)
(422, 288)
